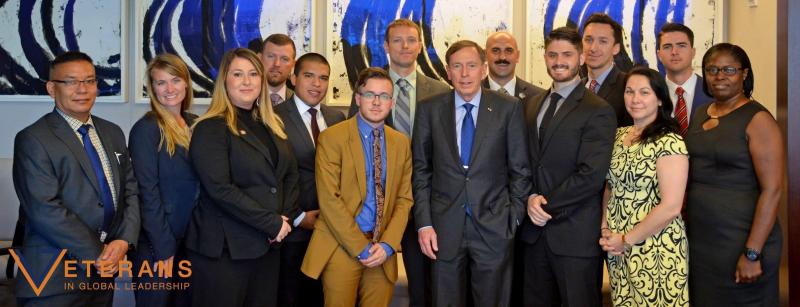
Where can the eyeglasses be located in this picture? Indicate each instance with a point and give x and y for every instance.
(74, 83)
(371, 96)
(727, 70)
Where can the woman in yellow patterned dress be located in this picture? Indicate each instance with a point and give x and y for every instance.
(642, 231)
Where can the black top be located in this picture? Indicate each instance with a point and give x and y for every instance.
(263, 133)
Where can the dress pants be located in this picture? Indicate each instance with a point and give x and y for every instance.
(232, 283)
(159, 298)
(346, 281)
(295, 289)
(488, 272)
(556, 280)
(78, 298)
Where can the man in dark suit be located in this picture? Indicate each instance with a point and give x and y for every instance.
(403, 43)
(570, 137)
(676, 51)
(304, 117)
(602, 40)
(74, 180)
(277, 54)
(471, 179)
(502, 55)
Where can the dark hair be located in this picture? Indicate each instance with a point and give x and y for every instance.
(69, 56)
(675, 27)
(254, 45)
(664, 122)
(564, 34)
(402, 22)
(372, 73)
(740, 56)
(605, 19)
(309, 57)
(455, 47)
(280, 39)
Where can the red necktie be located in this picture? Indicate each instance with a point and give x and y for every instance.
(593, 86)
(680, 111)
(314, 125)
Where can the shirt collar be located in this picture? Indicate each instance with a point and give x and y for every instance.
(365, 128)
(602, 77)
(302, 107)
(510, 86)
(411, 78)
(566, 88)
(74, 123)
(688, 86)
(476, 101)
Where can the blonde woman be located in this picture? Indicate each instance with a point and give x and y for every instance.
(159, 145)
(248, 190)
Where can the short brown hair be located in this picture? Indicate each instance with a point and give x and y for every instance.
(280, 39)
(372, 73)
(675, 27)
(465, 44)
(402, 22)
(564, 34)
(605, 19)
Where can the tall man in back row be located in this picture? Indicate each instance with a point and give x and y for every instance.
(602, 40)
(471, 179)
(403, 44)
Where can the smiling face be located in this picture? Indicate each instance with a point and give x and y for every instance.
(74, 100)
(676, 52)
(640, 100)
(724, 87)
(502, 55)
(311, 83)
(376, 110)
(403, 45)
(466, 70)
(278, 62)
(563, 60)
(243, 83)
(169, 89)
(599, 46)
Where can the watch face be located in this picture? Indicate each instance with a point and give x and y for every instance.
(751, 255)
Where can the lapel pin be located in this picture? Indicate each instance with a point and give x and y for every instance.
(521, 95)
(242, 132)
(489, 108)
(118, 155)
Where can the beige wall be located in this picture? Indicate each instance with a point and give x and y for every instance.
(754, 29)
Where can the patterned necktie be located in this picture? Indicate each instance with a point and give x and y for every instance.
(402, 110)
(314, 124)
(105, 189)
(681, 112)
(377, 175)
(276, 99)
(503, 90)
(593, 86)
(548, 115)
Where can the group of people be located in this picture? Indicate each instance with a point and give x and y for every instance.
(496, 192)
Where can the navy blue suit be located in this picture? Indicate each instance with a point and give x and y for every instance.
(168, 192)
(700, 98)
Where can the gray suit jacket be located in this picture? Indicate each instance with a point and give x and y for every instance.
(496, 185)
(426, 88)
(60, 200)
(304, 151)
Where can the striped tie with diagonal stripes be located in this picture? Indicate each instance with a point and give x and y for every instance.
(402, 111)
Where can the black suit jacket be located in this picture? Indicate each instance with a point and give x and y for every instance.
(613, 91)
(569, 170)
(700, 98)
(522, 90)
(60, 199)
(426, 88)
(303, 148)
(496, 185)
(243, 192)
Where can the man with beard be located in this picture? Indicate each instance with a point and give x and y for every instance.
(602, 40)
(502, 54)
(278, 55)
(570, 137)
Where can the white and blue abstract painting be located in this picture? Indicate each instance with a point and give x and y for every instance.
(35, 31)
(201, 31)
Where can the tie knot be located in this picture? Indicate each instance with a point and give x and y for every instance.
(84, 129)
(275, 98)
(402, 82)
(679, 91)
(312, 111)
(468, 107)
(555, 97)
(376, 133)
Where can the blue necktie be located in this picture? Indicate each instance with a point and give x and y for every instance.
(467, 134)
(105, 190)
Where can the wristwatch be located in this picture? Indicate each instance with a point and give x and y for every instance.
(752, 254)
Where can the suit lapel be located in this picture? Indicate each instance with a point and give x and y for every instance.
(357, 154)
(250, 138)
(327, 115)
(62, 130)
(608, 84)
(533, 115)
(391, 171)
(107, 141)
(570, 103)
(297, 121)
(486, 118)
(447, 114)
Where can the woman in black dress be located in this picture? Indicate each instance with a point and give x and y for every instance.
(736, 171)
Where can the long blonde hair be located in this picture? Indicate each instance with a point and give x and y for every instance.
(221, 105)
(172, 134)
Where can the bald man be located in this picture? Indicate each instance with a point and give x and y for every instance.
(502, 54)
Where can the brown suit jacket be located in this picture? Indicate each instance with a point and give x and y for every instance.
(341, 190)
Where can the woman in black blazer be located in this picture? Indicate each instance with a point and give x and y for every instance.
(248, 190)
(168, 186)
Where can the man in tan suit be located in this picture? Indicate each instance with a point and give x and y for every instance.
(359, 230)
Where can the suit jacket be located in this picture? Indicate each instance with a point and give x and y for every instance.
(341, 188)
(569, 170)
(496, 185)
(700, 98)
(426, 87)
(168, 187)
(243, 192)
(522, 90)
(60, 198)
(613, 91)
(304, 150)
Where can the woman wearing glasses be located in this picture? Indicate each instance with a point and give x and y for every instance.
(736, 171)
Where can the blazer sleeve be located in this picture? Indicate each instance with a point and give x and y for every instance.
(211, 142)
(518, 164)
(422, 154)
(131, 224)
(594, 158)
(144, 143)
(393, 232)
(37, 186)
(333, 209)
